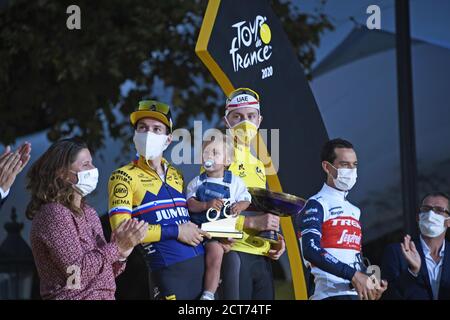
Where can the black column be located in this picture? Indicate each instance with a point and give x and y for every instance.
(406, 117)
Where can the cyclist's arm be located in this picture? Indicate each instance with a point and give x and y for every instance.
(120, 193)
(310, 222)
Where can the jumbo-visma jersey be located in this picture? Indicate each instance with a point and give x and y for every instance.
(137, 191)
(252, 171)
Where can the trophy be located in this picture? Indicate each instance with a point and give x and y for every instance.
(278, 203)
(221, 223)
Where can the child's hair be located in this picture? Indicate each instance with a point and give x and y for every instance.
(219, 136)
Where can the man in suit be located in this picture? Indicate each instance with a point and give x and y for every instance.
(11, 164)
(420, 269)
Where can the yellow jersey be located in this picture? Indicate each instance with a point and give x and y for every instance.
(252, 171)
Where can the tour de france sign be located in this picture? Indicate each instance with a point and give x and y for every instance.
(242, 43)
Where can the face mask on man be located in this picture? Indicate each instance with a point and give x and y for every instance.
(150, 145)
(346, 178)
(87, 181)
(432, 224)
(245, 130)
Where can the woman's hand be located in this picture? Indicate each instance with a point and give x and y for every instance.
(129, 234)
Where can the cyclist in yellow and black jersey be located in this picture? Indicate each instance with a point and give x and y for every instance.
(151, 189)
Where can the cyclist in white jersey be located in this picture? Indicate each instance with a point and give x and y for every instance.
(330, 231)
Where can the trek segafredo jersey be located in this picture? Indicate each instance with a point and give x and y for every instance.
(330, 239)
(137, 191)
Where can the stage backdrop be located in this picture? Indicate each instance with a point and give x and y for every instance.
(243, 44)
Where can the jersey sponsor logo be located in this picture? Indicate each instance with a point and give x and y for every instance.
(330, 258)
(345, 222)
(120, 191)
(121, 176)
(341, 233)
(313, 245)
(148, 185)
(121, 202)
(259, 173)
(177, 179)
(170, 214)
(348, 239)
(309, 219)
(241, 170)
(336, 211)
(311, 211)
(148, 179)
(149, 248)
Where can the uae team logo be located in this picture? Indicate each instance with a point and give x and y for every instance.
(251, 45)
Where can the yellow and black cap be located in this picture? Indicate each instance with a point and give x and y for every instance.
(153, 109)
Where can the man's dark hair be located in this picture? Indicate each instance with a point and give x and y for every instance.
(328, 150)
(436, 194)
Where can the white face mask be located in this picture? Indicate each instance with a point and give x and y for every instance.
(431, 224)
(150, 145)
(87, 181)
(346, 178)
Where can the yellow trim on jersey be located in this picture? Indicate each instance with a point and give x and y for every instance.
(127, 187)
(251, 170)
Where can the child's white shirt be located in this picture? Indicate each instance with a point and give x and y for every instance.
(238, 189)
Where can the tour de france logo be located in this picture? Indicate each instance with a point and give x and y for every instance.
(251, 45)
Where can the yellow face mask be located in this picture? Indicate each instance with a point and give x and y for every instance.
(245, 131)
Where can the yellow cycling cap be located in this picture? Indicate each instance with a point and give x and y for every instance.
(152, 109)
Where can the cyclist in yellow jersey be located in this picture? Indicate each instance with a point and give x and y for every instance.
(250, 256)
